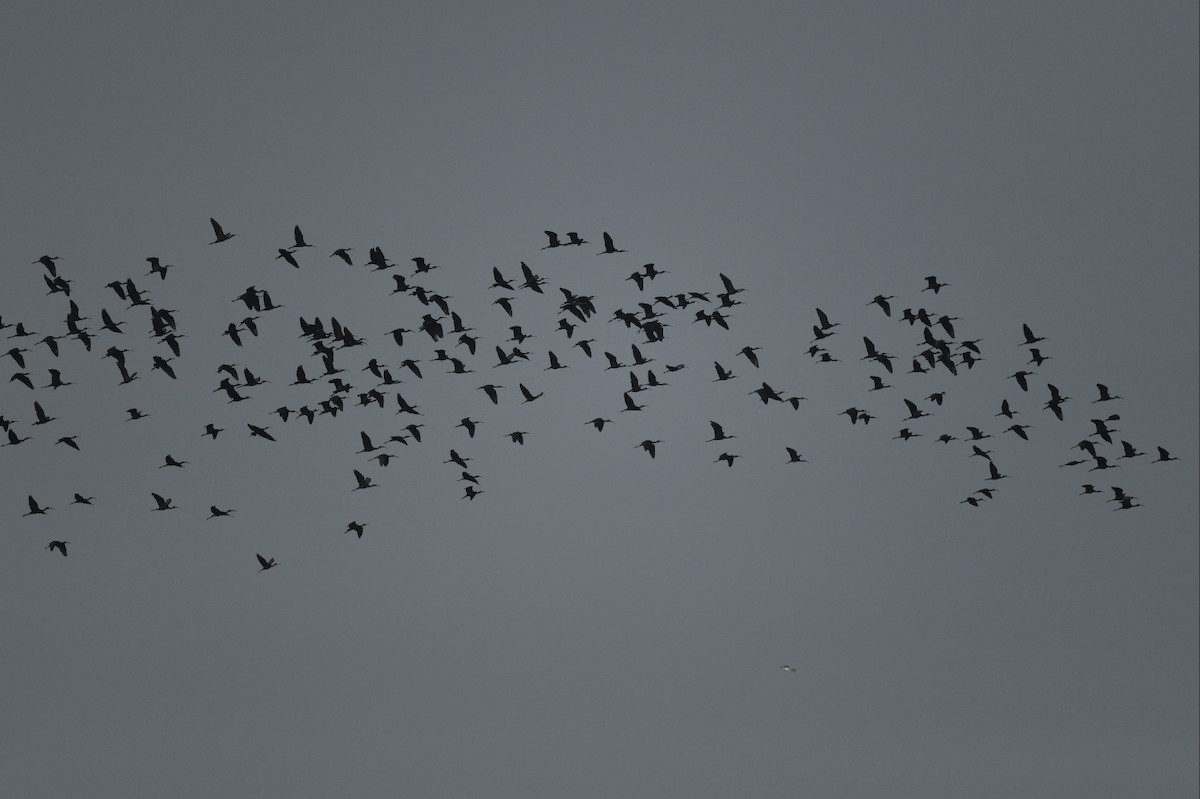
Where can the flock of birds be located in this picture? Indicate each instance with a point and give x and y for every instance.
(446, 342)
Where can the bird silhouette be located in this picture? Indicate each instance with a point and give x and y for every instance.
(61, 546)
(162, 503)
(220, 233)
(609, 247)
(649, 446)
(265, 563)
(35, 508)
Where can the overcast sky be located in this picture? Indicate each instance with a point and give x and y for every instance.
(598, 623)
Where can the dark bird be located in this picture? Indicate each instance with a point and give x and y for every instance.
(994, 473)
(468, 424)
(362, 480)
(48, 262)
(299, 238)
(882, 302)
(344, 254)
(518, 436)
(648, 446)
(265, 563)
(932, 284)
(1019, 429)
(356, 528)
(490, 390)
(1020, 377)
(261, 432)
(609, 247)
(220, 233)
(527, 394)
(214, 512)
(471, 491)
(61, 546)
(1105, 396)
(725, 456)
(630, 405)
(599, 423)
(170, 461)
(553, 237)
(1164, 456)
(366, 444)
(1029, 337)
(719, 433)
(162, 502)
(1130, 451)
(794, 456)
(913, 411)
(1036, 358)
(35, 508)
(749, 353)
(287, 256)
(722, 374)
(1005, 410)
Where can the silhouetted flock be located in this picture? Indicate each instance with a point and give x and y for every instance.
(322, 386)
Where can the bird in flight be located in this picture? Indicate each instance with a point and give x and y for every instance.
(609, 247)
(61, 546)
(265, 563)
(219, 232)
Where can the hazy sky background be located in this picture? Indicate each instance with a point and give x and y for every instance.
(598, 623)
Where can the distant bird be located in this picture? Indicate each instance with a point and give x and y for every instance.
(725, 456)
(518, 436)
(287, 256)
(609, 247)
(35, 508)
(80, 499)
(468, 424)
(162, 503)
(913, 411)
(261, 432)
(265, 563)
(344, 254)
(491, 391)
(882, 302)
(1019, 429)
(599, 423)
(788, 668)
(932, 284)
(749, 352)
(719, 433)
(994, 473)
(794, 456)
(527, 394)
(630, 405)
(299, 238)
(1030, 338)
(61, 546)
(1020, 377)
(362, 480)
(220, 233)
(1164, 456)
(356, 527)
(648, 446)
(1105, 396)
(170, 461)
(214, 512)
(1130, 451)
(470, 492)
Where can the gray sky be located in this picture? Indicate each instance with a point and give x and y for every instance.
(598, 623)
